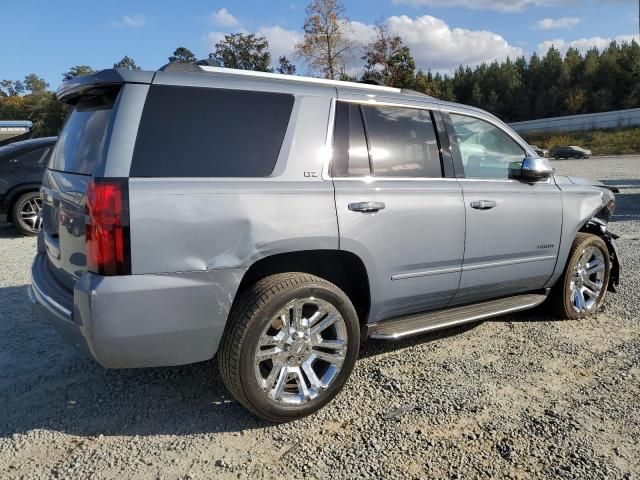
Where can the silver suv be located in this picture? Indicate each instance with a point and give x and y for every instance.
(278, 221)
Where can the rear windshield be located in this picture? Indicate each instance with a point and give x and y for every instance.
(210, 132)
(82, 145)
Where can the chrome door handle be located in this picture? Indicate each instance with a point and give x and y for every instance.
(366, 207)
(483, 204)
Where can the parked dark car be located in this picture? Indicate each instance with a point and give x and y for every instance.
(571, 152)
(541, 152)
(22, 165)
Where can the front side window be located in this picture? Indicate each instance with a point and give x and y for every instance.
(486, 150)
(402, 142)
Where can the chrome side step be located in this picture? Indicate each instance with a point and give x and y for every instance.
(401, 327)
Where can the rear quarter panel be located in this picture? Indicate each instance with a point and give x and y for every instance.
(191, 224)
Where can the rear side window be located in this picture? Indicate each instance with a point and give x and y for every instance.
(207, 132)
(350, 154)
(402, 142)
(33, 157)
(82, 144)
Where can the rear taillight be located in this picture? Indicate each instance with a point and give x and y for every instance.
(107, 226)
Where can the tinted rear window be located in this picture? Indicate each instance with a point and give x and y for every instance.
(402, 142)
(82, 144)
(207, 132)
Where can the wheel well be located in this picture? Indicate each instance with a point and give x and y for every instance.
(15, 194)
(343, 269)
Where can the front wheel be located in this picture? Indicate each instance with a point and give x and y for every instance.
(290, 344)
(582, 287)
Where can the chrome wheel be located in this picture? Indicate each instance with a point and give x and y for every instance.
(301, 351)
(587, 280)
(31, 214)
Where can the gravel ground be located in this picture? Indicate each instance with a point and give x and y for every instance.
(518, 397)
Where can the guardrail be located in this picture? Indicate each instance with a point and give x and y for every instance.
(573, 123)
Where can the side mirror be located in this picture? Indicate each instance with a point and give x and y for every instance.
(531, 169)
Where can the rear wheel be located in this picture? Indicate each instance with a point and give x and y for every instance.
(27, 213)
(582, 287)
(290, 345)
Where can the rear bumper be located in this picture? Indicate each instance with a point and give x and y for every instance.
(138, 320)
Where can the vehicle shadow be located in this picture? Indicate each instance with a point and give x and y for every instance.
(375, 347)
(627, 201)
(47, 384)
(7, 230)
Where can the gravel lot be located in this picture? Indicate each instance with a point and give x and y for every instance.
(519, 397)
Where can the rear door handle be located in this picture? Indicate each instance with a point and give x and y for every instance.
(483, 204)
(366, 207)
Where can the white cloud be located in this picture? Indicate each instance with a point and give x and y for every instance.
(436, 46)
(553, 23)
(223, 18)
(281, 41)
(499, 5)
(130, 21)
(582, 44)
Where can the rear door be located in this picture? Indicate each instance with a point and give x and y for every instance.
(81, 149)
(513, 228)
(395, 209)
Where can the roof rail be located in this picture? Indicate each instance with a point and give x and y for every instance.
(295, 78)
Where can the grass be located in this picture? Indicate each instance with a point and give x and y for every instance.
(601, 142)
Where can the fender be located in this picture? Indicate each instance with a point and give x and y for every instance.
(15, 191)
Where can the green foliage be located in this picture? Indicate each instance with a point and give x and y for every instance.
(389, 60)
(600, 142)
(126, 63)
(182, 55)
(285, 66)
(244, 52)
(550, 86)
(77, 71)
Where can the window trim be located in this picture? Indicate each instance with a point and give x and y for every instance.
(326, 173)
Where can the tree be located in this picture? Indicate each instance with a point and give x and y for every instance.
(9, 88)
(34, 84)
(327, 45)
(285, 66)
(126, 63)
(387, 59)
(182, 55)
(244, 52)
(77, 71)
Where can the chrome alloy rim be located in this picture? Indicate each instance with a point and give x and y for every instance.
(301, 351)
(31, 214)
(587, 280)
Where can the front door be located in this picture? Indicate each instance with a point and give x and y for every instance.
(513, 228)
(395, 209)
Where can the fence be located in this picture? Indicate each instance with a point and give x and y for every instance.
(573, 123)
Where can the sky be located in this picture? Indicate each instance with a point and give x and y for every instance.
(47, 38)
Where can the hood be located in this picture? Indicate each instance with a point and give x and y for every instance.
(587, 181)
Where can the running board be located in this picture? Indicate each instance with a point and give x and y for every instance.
(401, 327)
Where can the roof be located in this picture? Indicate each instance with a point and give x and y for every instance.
(26, 145)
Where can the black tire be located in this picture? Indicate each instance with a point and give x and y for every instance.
(27, 202)
(253, 311)
(560, 304)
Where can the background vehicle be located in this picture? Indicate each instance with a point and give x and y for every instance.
(298, 219)
(570, 152)
(541, 152)
(22, 165)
